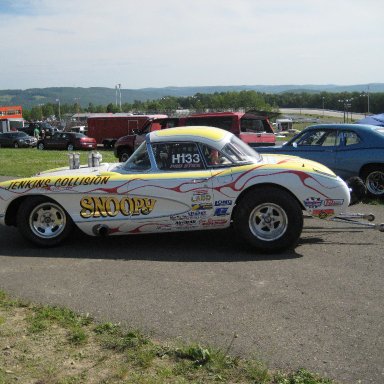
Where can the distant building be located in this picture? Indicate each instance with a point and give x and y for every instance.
(11, 118)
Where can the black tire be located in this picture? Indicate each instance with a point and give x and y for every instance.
(40, 146)
(269, 220)
(357, 188)
(43, 222)
(124, 154)
(374, 180)
(70, 147)
(16, 144)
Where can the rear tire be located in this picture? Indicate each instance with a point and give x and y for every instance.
(269, 220)
(374, 181)
(40, 146)
(43, 222)
(70, 147)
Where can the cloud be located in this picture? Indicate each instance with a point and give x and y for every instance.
(190, 42)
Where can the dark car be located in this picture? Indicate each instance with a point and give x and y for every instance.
(30, 128)
(67, 140)
(17, 140)
(348, 149)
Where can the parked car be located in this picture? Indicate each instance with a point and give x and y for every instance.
(179, 179)
(67, 140)
(17, 139)
(348, 149)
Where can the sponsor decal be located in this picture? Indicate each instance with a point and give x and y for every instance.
(186, 223)
(113, 206)
(198, 198)
(213, 222)
(221, 211)
(333, 202)
(313, 202)
(201, 206)
(323, 213)
(188, 215)
(220, 203)
(60, 182)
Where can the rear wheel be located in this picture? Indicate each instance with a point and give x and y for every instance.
(43, 221)
(70, 147)
(16, 144)
(374, 181)
(270, 220)
(40, 146)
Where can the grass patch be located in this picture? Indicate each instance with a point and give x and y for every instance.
(25, 162)
(44, 344)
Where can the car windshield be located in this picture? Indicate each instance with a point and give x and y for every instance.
(240, 152)
(139, 161)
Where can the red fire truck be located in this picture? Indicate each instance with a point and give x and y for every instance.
(107, 129)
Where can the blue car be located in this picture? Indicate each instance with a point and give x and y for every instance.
(348, 149)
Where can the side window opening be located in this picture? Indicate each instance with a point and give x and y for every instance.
(351, 138)
(177, 156)
(213, 157)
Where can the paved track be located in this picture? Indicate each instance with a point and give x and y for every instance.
(320, 307)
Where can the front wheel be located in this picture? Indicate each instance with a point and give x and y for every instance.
(40, 146)
(70, 147)
(269, 219)
(43, 221)
(124, 155)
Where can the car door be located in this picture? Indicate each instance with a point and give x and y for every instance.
(52, 142)
(350, 154)
(186, 181)
(319, 145)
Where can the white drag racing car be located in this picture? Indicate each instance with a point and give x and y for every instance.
(179, 179)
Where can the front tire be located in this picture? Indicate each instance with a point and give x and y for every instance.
(269, 220)
(70, 147)
(124, 155)
(40, 146)
(43, 221)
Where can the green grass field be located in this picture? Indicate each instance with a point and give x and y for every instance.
(25, 162)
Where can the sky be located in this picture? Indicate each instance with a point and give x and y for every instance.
(161, 43)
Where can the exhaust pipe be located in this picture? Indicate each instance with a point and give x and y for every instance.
(101, 230)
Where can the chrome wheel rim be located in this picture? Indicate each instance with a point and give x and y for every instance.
(47, 220)
(268, 222)
(375, 183)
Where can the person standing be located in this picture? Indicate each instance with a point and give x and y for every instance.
(36, 133)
